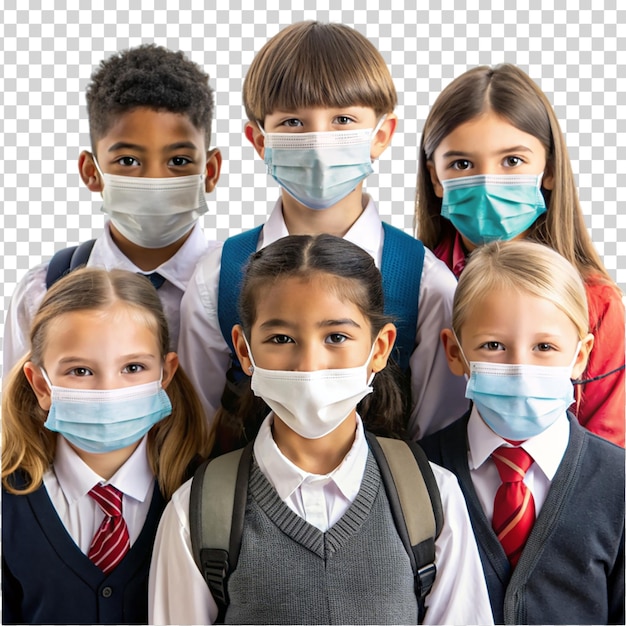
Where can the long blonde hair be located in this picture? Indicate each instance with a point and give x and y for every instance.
(29, 447)
(524, 266)
(510, 93)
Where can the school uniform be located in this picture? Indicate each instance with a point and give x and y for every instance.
(332, 511)
(602, 407)
(30, 291)
(571, 570)
(436, 393)
(47, 576)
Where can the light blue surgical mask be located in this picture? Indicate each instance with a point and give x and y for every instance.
(488, 208)
(320, 169)
(519, 401)
(103, 420)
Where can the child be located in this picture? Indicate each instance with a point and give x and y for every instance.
(494, 166)
(312, 314)
(150, 113)
(520, 332)
(86, 408)
(319, 100)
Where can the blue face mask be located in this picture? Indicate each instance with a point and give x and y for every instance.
(319, 169)
(493, 207)
(520, 401)
(103, 420)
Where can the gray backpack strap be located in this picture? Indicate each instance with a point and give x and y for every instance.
(415, 505)
(217, 507)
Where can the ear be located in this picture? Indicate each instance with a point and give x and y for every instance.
(434, 179)
(382, 138)
(254, 135)
(241, 349)
(88, 172)
(456, 362)
(38, 384)
(213, 168)
(383, 345)
(547, 182)
(170, 365)
(583, 356)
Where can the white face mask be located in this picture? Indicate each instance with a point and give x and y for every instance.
(153, 212)
(312, 404)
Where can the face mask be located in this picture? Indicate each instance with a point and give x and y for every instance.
(520, 401)
(312, 404)
(490, 208)
(153, 212)
(320, 169)
(99, 421)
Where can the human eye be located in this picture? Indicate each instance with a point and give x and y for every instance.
(544, 347)
(133, 368)
(281, 339)
(179, 161)
(513, 161)
(292, 122)
(127, 161)
(461, 165)
(80, 372)
(336, 338)
(343, 120)
(492, 346)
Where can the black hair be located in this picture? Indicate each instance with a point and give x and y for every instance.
(357, 279)
(148, 76)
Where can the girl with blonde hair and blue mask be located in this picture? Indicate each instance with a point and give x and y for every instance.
(545, 496)
(494, 166)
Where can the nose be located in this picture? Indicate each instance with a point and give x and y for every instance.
(308, 359)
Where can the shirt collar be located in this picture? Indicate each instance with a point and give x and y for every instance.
(451, 251)
(177, 270)
(366, 232)
(547, 448)
(76, 478)
(286, 477)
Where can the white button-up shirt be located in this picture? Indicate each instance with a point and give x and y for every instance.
(438, 396)
(29, 293)
(178, 593)
(69, 480)
(547, 450)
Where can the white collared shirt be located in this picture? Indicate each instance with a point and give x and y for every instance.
(438, 396)
(178, 593)
(69, 480)
(31, 289)
(547, 450)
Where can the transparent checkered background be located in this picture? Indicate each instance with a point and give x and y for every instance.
(48, 54)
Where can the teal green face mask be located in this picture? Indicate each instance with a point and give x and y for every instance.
(488, 208)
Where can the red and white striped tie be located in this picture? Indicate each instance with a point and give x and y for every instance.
(111, 542)
(514, 505)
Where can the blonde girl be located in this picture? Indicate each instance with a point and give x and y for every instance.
(99, 402)
(493, 165)
(545, 496)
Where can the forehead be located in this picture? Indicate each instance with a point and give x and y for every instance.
(152, 129)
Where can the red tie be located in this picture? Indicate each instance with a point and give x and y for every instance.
(111, 542)
(514, 506)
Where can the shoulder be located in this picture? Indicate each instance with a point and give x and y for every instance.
(31, 288)
(433, 444)
(436, 275)
(604, 301)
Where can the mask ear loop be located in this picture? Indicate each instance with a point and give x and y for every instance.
(458, 343)
(251, 368)
(45, 377)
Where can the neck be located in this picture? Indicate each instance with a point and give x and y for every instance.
(336, 220)
(107, 463)
(146, 259)
(316, 456)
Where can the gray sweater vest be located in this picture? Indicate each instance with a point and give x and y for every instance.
(289, 572)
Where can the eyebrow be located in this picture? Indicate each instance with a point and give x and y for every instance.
(179, 145)
(275, 322)
(128, 357)
(458, 153)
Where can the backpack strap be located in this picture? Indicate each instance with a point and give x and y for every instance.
(401, 267)
(217, 506)
(235, 254)
(67, 260)
(415, 505)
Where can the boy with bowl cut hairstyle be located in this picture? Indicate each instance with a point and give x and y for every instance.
(150, 112)
(320, 104)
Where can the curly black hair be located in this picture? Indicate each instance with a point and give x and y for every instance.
(148, 76)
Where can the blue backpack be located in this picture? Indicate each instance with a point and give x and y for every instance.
(401, 267)
(67, 260)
